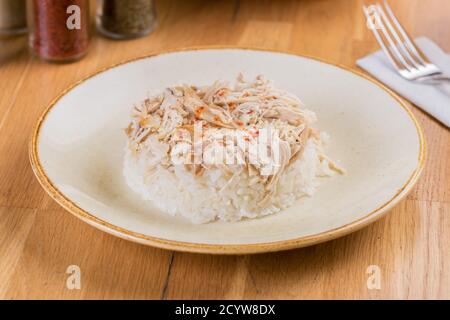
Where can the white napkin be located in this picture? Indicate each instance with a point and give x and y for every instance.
(433, 99)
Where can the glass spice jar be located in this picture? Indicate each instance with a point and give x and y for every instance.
(120, 19)
(13, 17)
(59, 29)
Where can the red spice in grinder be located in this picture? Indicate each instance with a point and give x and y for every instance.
(59, 29)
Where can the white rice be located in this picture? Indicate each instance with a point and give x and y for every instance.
(212, 196)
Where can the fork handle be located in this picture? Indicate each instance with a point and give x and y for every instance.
(439, 81)
(434, 79)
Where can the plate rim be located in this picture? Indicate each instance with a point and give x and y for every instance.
(251, 248)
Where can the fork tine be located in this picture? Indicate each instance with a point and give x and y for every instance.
(408, 40)
(400, 45)
(390, 47)
(380, 41)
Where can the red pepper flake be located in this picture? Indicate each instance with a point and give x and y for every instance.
(251, 112)
(239, 123)
(199, 111)
(217, 119)
(255, 133)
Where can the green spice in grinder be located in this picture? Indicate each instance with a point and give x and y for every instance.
(121, 19)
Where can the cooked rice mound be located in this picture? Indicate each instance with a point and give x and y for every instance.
(166, 157)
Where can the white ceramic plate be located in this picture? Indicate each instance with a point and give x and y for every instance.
(76, 151)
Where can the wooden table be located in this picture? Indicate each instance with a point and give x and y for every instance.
(39, 239)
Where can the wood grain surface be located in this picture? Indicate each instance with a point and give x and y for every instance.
(39, 239)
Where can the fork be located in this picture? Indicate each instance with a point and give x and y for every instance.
(407, 58)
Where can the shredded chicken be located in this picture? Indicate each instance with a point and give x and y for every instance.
(167, 122)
